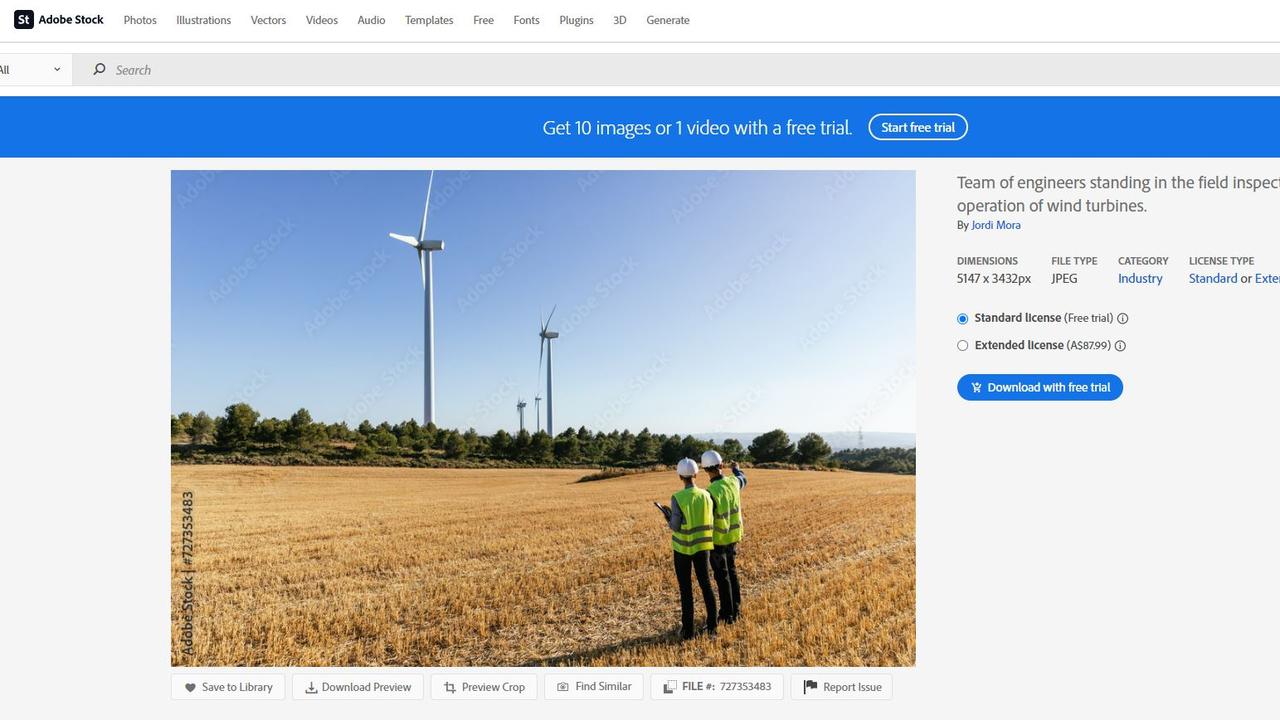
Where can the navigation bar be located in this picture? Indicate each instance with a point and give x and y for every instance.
(661, 21)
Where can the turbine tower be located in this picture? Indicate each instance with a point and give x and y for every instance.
(537, 406)
(545, 344)
(520, 406)
(425, 247)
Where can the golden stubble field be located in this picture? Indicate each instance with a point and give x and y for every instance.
(411, 567)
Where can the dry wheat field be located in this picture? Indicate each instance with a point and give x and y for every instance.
(351, 566)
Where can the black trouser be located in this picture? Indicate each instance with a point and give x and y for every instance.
(687, 565)
(726, 571)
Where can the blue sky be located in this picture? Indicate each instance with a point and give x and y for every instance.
(688, 301)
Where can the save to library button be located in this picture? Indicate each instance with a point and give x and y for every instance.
(918, 126)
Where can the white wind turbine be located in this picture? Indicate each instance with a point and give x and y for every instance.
(425, 247)
(520, 406)
(545, 343)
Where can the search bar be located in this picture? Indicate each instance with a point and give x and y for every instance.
(678, 69)
(466, 69)
(116, 70)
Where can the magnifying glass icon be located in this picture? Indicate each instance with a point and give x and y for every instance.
(99, 69)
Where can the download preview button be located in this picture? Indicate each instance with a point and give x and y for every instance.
(918, 126)
(1051, 387)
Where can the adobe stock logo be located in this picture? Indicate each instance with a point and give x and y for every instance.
(24, 19)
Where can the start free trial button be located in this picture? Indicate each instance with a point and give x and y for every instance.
(918, 126)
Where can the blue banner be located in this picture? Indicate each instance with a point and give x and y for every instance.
(639, 127)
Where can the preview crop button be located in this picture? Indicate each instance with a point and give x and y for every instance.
(484, 686)
(1051, 387)
(918, 126)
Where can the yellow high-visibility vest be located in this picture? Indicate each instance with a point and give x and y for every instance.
(695, 530)
(728, 512)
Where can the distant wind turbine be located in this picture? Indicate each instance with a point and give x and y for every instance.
(425, 247)
(537, 406)
(520, 406)
(545, 344)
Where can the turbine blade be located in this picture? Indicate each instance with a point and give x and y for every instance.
(541, 344)
(422, 265)
(553, 312)
(405, 239)
(422, 229)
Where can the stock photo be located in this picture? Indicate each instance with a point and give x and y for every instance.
(422, 418)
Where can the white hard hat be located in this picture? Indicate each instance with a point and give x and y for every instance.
(686, 468)
(711, 458)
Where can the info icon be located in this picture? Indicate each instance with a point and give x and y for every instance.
(24, 19)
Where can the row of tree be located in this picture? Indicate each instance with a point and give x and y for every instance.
(886, 460)
(242, 428)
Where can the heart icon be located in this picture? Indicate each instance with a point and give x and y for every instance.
(191, 687)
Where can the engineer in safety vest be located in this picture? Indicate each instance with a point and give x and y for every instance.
(726, 492)
(690, 518)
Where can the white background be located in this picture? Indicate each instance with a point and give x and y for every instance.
(1109, 560)
(1073, 559)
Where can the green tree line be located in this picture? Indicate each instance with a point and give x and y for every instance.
(242, 429)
